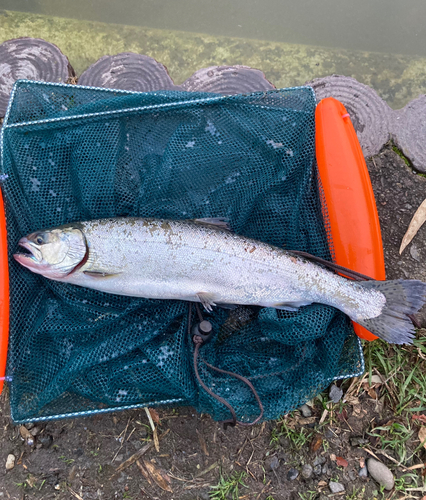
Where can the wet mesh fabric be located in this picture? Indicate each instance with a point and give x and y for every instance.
(72, 153)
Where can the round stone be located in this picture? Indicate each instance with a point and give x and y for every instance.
(380, 473)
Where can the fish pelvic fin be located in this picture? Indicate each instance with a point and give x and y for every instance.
(403, 297)
(207, 300)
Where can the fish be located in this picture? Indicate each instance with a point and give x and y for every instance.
(203, 261)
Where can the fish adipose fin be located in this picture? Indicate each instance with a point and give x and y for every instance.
(207, 300)
(403, 297)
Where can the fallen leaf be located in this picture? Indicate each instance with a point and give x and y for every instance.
(341, 462)
(306, 420)
(154, 415)
(144, 472)
(370, 390)
(322, 484)
(415, 224)
(362, 462)
(159, 476)
(25, 433)
(356, 409)
(422, 418)
(316, 443)
(375, 379)
(422, 436)
(202, 443)
(333, 457)
(352, 400)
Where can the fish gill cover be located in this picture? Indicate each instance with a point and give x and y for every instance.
(72, 153)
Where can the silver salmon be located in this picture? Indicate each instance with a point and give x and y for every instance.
(201, 261)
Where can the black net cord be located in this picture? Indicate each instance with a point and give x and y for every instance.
(349, 273)
(198, 341)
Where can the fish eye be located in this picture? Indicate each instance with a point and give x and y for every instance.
(39, 240)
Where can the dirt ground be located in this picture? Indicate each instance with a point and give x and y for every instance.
(88, 458)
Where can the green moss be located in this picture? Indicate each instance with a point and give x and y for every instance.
(401, 154)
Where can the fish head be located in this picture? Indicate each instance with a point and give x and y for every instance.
(54, 253)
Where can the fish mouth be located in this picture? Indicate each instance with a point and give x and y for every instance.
(31, 256)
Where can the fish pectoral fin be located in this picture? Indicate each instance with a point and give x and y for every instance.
(290, 306)
(100, 274)
(207, 300)
(219, 222)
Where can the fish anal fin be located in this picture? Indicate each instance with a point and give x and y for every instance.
(100, 274)
(227, 306)
(207, 300)
(219, 222)
(290, 306)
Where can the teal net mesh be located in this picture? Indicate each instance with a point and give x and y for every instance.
(72, 153)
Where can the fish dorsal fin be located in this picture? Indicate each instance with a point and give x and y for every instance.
(219, 222)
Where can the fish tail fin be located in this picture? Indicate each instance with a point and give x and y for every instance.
(403, 297)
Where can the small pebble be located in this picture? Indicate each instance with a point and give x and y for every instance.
(329, 434)
(10, 462)
(363, 472)
(306, 411)
(414, 251)
(352, 475)
(317, 470)
(45, 440)
(307, 471)
(335, 393)
(325, 469)
(380, 473)
(336, 487)
(358, 441)
(272, 463)
(319, 461)
(35, 430)
(29, 426)
(292, 474)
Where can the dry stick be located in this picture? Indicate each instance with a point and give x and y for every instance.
(371, 453)
(399, 464)
(264, 488)
(136, 456)
(154, 429)
(202, 443)
(386, 385)
(73, 493)
(122, 442)
(209, 468)
(353, 383)
(417, 466)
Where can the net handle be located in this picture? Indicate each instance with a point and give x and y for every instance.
(4, 295)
